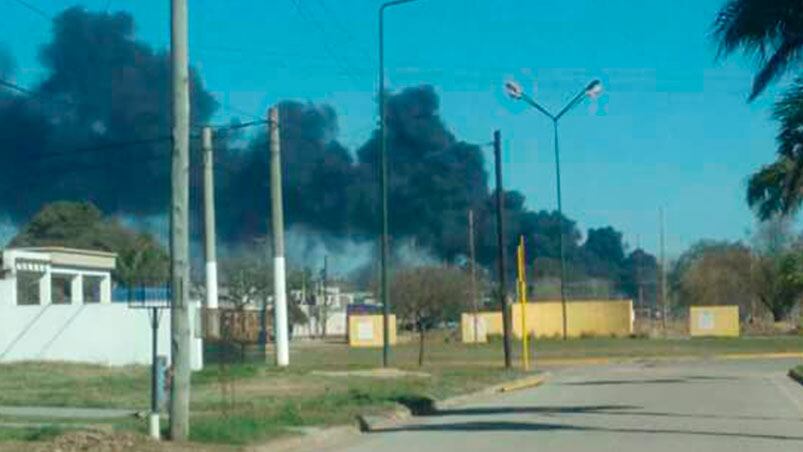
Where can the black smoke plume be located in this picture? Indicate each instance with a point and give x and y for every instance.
(104, 87)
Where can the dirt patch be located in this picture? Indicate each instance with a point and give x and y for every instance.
(116, 442)
(98, 441)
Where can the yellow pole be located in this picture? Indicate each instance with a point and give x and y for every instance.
(525, 359)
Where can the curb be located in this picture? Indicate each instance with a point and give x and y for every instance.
(523, 383)
(371, 423)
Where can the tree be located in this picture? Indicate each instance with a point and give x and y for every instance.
(778, 267)
(140, 258)
(639, 277)
(426, 296)
(604, 253)
(248, 277)
(776, 189)
(771, 30)
(717, 273)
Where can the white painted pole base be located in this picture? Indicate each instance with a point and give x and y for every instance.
(153, 425)
(280, 313)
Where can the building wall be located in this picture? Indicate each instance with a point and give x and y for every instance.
(545, 319)
(366, 330)
(101, 333)
(719, 321)
(472, 333)
(335, 324)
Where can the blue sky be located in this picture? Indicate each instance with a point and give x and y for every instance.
(672, 130)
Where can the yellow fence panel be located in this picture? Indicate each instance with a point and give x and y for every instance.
(714, 321)
(366, 330)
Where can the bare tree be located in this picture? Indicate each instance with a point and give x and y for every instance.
(425, 297)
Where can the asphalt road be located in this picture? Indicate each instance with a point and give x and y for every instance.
(710, 406)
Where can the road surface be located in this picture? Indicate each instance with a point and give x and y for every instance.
(710, 406)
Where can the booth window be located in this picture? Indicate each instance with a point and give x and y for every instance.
(61, 289)
(92, 289)
(28, 288)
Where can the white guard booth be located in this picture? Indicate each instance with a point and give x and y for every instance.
(56, 305)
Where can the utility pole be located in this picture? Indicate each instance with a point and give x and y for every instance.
(473, 263)
(664, 301)
(209, 233)
(325, 298)
(507, 323)
(277, 214)
(640, 301)
(179, 226)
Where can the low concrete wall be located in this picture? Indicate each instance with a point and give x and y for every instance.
(366, 330)
(545, 319)
(100, 333)
(335, 324)
(714, 321)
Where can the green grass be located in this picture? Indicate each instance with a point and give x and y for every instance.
(30, 433)
(254, 401)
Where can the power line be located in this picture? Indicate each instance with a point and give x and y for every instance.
(33, 8)
(16, 87)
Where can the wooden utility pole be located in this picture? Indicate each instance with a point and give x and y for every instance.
(210, 252)
(179, 226)
(277, 215)
(473, 264)
(507, 323)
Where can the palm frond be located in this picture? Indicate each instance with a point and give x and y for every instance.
(761, 28)
(775, 66)
(775, 190)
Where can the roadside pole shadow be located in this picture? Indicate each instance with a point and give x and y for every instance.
(426, 407)
(674, 380)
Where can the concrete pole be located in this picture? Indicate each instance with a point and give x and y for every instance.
(324, 281)
(664, 300)
(277, 215)
(501, 244)
(473, 272)
(179, 227)
(209, 221)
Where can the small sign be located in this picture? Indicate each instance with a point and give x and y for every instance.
(705, 320)
(365, 331)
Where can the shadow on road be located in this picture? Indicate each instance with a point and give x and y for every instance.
(692, 379)
(483, 426)
(546, 410)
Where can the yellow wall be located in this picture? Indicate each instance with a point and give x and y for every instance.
(545, 319)
(366, 330)
(720, 321)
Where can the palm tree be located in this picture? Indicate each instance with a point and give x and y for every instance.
(772, 30)
(777, 188)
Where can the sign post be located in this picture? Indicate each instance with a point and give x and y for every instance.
(155, 309)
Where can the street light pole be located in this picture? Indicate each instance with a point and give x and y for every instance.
(561, 240)
(591, 90)
(383, 187)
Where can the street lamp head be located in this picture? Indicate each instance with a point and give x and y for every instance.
(594, 89)
(513, 90)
